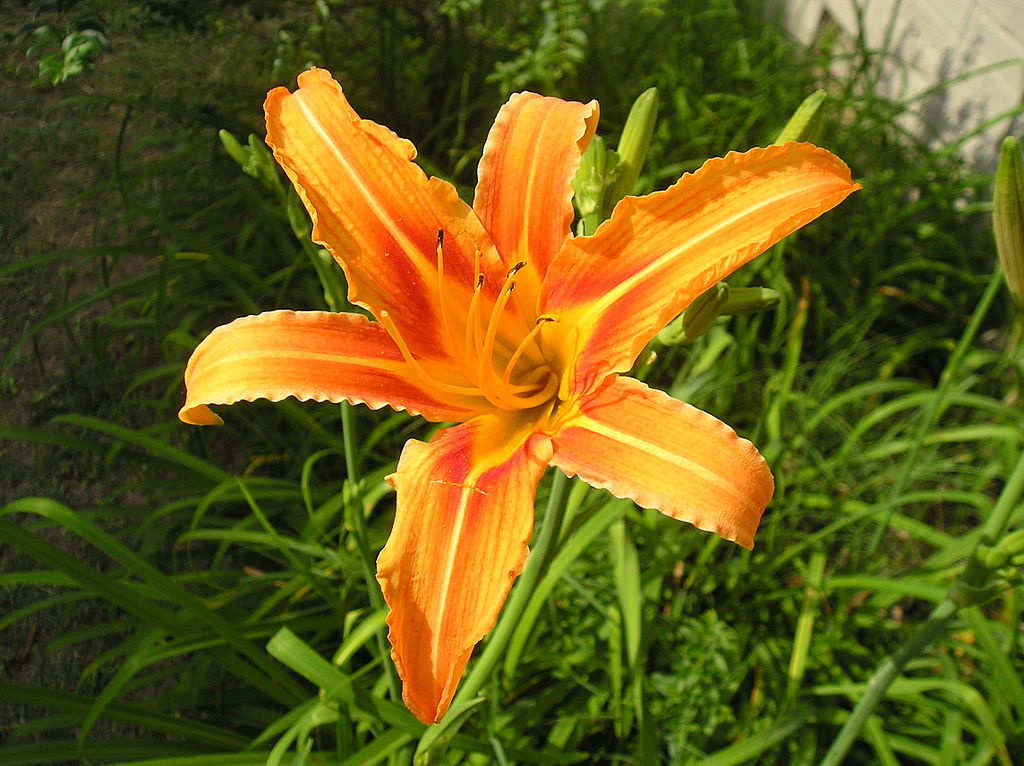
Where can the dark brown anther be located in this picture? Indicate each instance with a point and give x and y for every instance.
(479, 281)
(515, 269)
(440, 237)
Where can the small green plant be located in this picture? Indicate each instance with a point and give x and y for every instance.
(74, 54)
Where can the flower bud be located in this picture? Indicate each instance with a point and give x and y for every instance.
(805, 124)
(254, 159)
(238, 152)
(262, 166)
(697, 319)
(749, 300)
(590, 182)
(636, 137)
(1008, 218)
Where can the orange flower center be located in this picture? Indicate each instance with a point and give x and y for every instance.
(506, 380)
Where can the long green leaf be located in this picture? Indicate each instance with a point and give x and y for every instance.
(258, 670)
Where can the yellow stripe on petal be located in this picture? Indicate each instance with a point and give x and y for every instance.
(377, 212)
(312, 355)
(612, 292)
(642, 444)
(464, 518)
(524, 192)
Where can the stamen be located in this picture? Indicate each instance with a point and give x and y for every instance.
(484, 363)
(473, 319)
(442, 302)
(494, 321)
(431, 382)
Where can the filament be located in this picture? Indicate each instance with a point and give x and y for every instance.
(484, 365)
(472, 316)
(534, 388)
(441, 301)
(432, 382)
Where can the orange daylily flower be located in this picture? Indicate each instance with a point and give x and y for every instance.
(495, 317)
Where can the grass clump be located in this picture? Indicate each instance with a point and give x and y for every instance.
(203, 592)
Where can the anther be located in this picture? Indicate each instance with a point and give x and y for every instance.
(515, 269)
(440, 237)
(479, 281)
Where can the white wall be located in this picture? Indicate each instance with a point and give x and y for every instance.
(932, 41)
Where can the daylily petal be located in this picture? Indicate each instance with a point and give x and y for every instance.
(640, 443)
(524, 193)
(464, 518)
(309, 355)
(612, 292)
(377, 212)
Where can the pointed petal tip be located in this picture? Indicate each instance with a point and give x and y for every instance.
(199, 415)
(310, 356)
(613, 291)
(641, 444)
(464, 515)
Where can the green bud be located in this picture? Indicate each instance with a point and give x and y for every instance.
(697, 319)
(237, 152)
(1008, 218)
(636, 138)
(992, 558)
(749, 300)
(254, 159)
(261, 165)
(590, 182)
(805, 124)
(1009, 546)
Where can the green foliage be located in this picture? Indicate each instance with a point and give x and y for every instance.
(74, 52)
(186, 596)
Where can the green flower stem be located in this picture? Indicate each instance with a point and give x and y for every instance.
(936, 404)
(998, 520)
(497, 642)
(933, 627)
(974, 576)
(355, 505)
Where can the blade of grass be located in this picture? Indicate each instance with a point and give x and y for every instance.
(255, 668)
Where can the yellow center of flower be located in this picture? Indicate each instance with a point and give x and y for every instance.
(492, 372)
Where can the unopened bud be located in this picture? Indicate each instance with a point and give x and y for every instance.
(805, 124)
(1008, 218)
(749, 300)
(236, 151)
(590, 182)
(1007, 548)
(254, 159)
(992, 558)
(636, 138)
(261, 165)
(697, 319)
